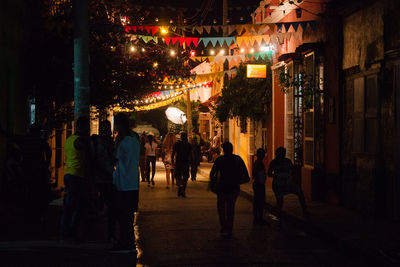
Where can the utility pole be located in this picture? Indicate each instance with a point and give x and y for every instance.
(225, 125)
(224, 15)
(81, 59)
(188, 102)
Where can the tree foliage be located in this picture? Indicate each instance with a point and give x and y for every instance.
(245, 97)
(117, 76)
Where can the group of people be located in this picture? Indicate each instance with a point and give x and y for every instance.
(101, 173)
(178, 155)
(102, 176)
(227, 174)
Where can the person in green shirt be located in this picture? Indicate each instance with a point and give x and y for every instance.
(76, 179)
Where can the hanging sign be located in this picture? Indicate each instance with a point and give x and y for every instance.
(256, 71)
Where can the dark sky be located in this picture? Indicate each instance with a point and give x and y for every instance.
(166, 10)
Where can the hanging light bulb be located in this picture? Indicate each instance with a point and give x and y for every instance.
(171, 21)
(192, 53)
(212, 52)
(252, 50)
(164, 30)
(172, 53)
(242, 50)
(155, 64)
(132, 49)
(156, 19)
(143, 49)
(222, 51)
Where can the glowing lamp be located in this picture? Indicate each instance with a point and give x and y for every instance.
(175, 115)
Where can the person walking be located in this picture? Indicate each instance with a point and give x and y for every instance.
(126, 183)
(195, 159)
(182, 151)
(76, 180)
(281, 169)
(102, 157)
(151, 147)
(226, 173)
(167, 148)
(142, 160)
(259, 178)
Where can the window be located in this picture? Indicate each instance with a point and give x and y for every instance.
(309, 62)
(365, 114)
(289, 119)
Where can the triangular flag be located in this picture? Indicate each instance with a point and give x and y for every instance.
(182, 40)
(214, 41)
(174, 40)
(134, 28)
(313, 25)
(279, 25)
(207, 28)
(248, 27)
(154, 29)
(167, 40)
(173, 28)
(195, 41)
(140, 28)
(155, 39)
(205, 41)
(258, 39)
(295, 25)
(239, 29)
(231, 29)
(303, 25)
(257, 27)
(127, 28)
(271, 26)
(241, 40)
(148, 29)
(287, 26)
(216, 28)
(199, 29)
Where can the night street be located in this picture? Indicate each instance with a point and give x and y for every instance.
(288, 110)
(185, 232)
(174, 231)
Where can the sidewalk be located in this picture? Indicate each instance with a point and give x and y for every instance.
(354, 234)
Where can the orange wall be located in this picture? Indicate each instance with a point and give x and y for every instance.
(278, 114)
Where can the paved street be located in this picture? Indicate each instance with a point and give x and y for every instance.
(185, 232)
(172, 231)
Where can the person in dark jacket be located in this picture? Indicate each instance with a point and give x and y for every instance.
(102, 157)
(281, 169)
(196, 155)
(182, 151)
(228, 170)
(259, 178)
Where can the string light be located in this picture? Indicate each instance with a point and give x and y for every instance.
(172, 53)
(164, 30)
(212, 52)
(143, 50)
(252, 50)
(222, 52)
(132, 49)
(242, 50)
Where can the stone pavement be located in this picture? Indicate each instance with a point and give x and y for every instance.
(176, 231)
(375, 239)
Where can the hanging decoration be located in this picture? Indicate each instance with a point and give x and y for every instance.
(227, 29)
